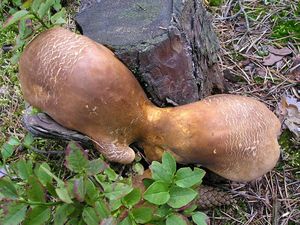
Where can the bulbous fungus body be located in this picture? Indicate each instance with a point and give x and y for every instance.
(84, 87)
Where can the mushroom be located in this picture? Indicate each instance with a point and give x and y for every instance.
(83, 86)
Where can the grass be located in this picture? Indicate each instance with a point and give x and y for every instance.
(245, 28)
(11, 102)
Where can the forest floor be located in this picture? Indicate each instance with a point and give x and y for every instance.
(260, 46)
(260, 57)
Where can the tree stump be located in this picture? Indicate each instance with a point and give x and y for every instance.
(168, 44)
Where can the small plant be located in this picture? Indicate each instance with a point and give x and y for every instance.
(32, 193)
(32, 16)
(215, 2)
(286, 24)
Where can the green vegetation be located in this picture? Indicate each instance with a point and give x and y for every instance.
(32, 193)
(290, 150)
(215, 2)
(27, 19)
(286, 24)
(32, 17)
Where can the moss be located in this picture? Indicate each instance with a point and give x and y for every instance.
(254, 14)
(237, 56)
(291, 153)
(215, 2)
(259, 80)
(286, 24)
(286, 29)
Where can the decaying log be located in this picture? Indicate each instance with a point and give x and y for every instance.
(168, 44)
(41, 125)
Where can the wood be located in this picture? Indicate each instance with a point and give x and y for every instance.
(41, 125)
(168, 44)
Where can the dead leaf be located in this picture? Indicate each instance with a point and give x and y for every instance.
(289, 113)
(271, 59)
(279, 51)
(295, 70)
(261, 72)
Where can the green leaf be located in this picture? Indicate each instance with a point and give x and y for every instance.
(111, 174)
(38, 215)
(132, 198)
(200, 218)
(15, 214)
(79, 189)
(15, 17)
(117, 191)
(7, 150)
(115, 204)
(181, 196)
(163, 211)
(73, 221)
(96, 166)
(44, 174)
(127, 221)
(76, 160)
(157, 193)
(13, 141)
(147, 182)
(69, 184)
(185, 177)
(90, 217)
(62, 213)
(142, 215)
(35, 191)
(175, 219)
(164, 171)
(24, 169)
(26, 4)
(57, 6)
(63, 195)
(160, 173)
(51, 189)
(44, 8)
(101, 209)
(44, 168)
(28, 140)
(138, 168)
(169, 162)
(7, 188)
(58, 18)
(190, 210)
(91, 192)
(35, 5)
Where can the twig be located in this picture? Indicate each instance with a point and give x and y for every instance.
(46, 152)
(245, 15)
(230, 17)
(228, 7)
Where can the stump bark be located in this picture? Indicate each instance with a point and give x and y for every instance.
(169, 45)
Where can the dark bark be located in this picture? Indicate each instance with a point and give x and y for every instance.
(168, 44)
(41, 125)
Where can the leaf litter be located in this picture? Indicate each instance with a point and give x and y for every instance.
(258, 65)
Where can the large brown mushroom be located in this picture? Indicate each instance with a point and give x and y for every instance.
(84, 87)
